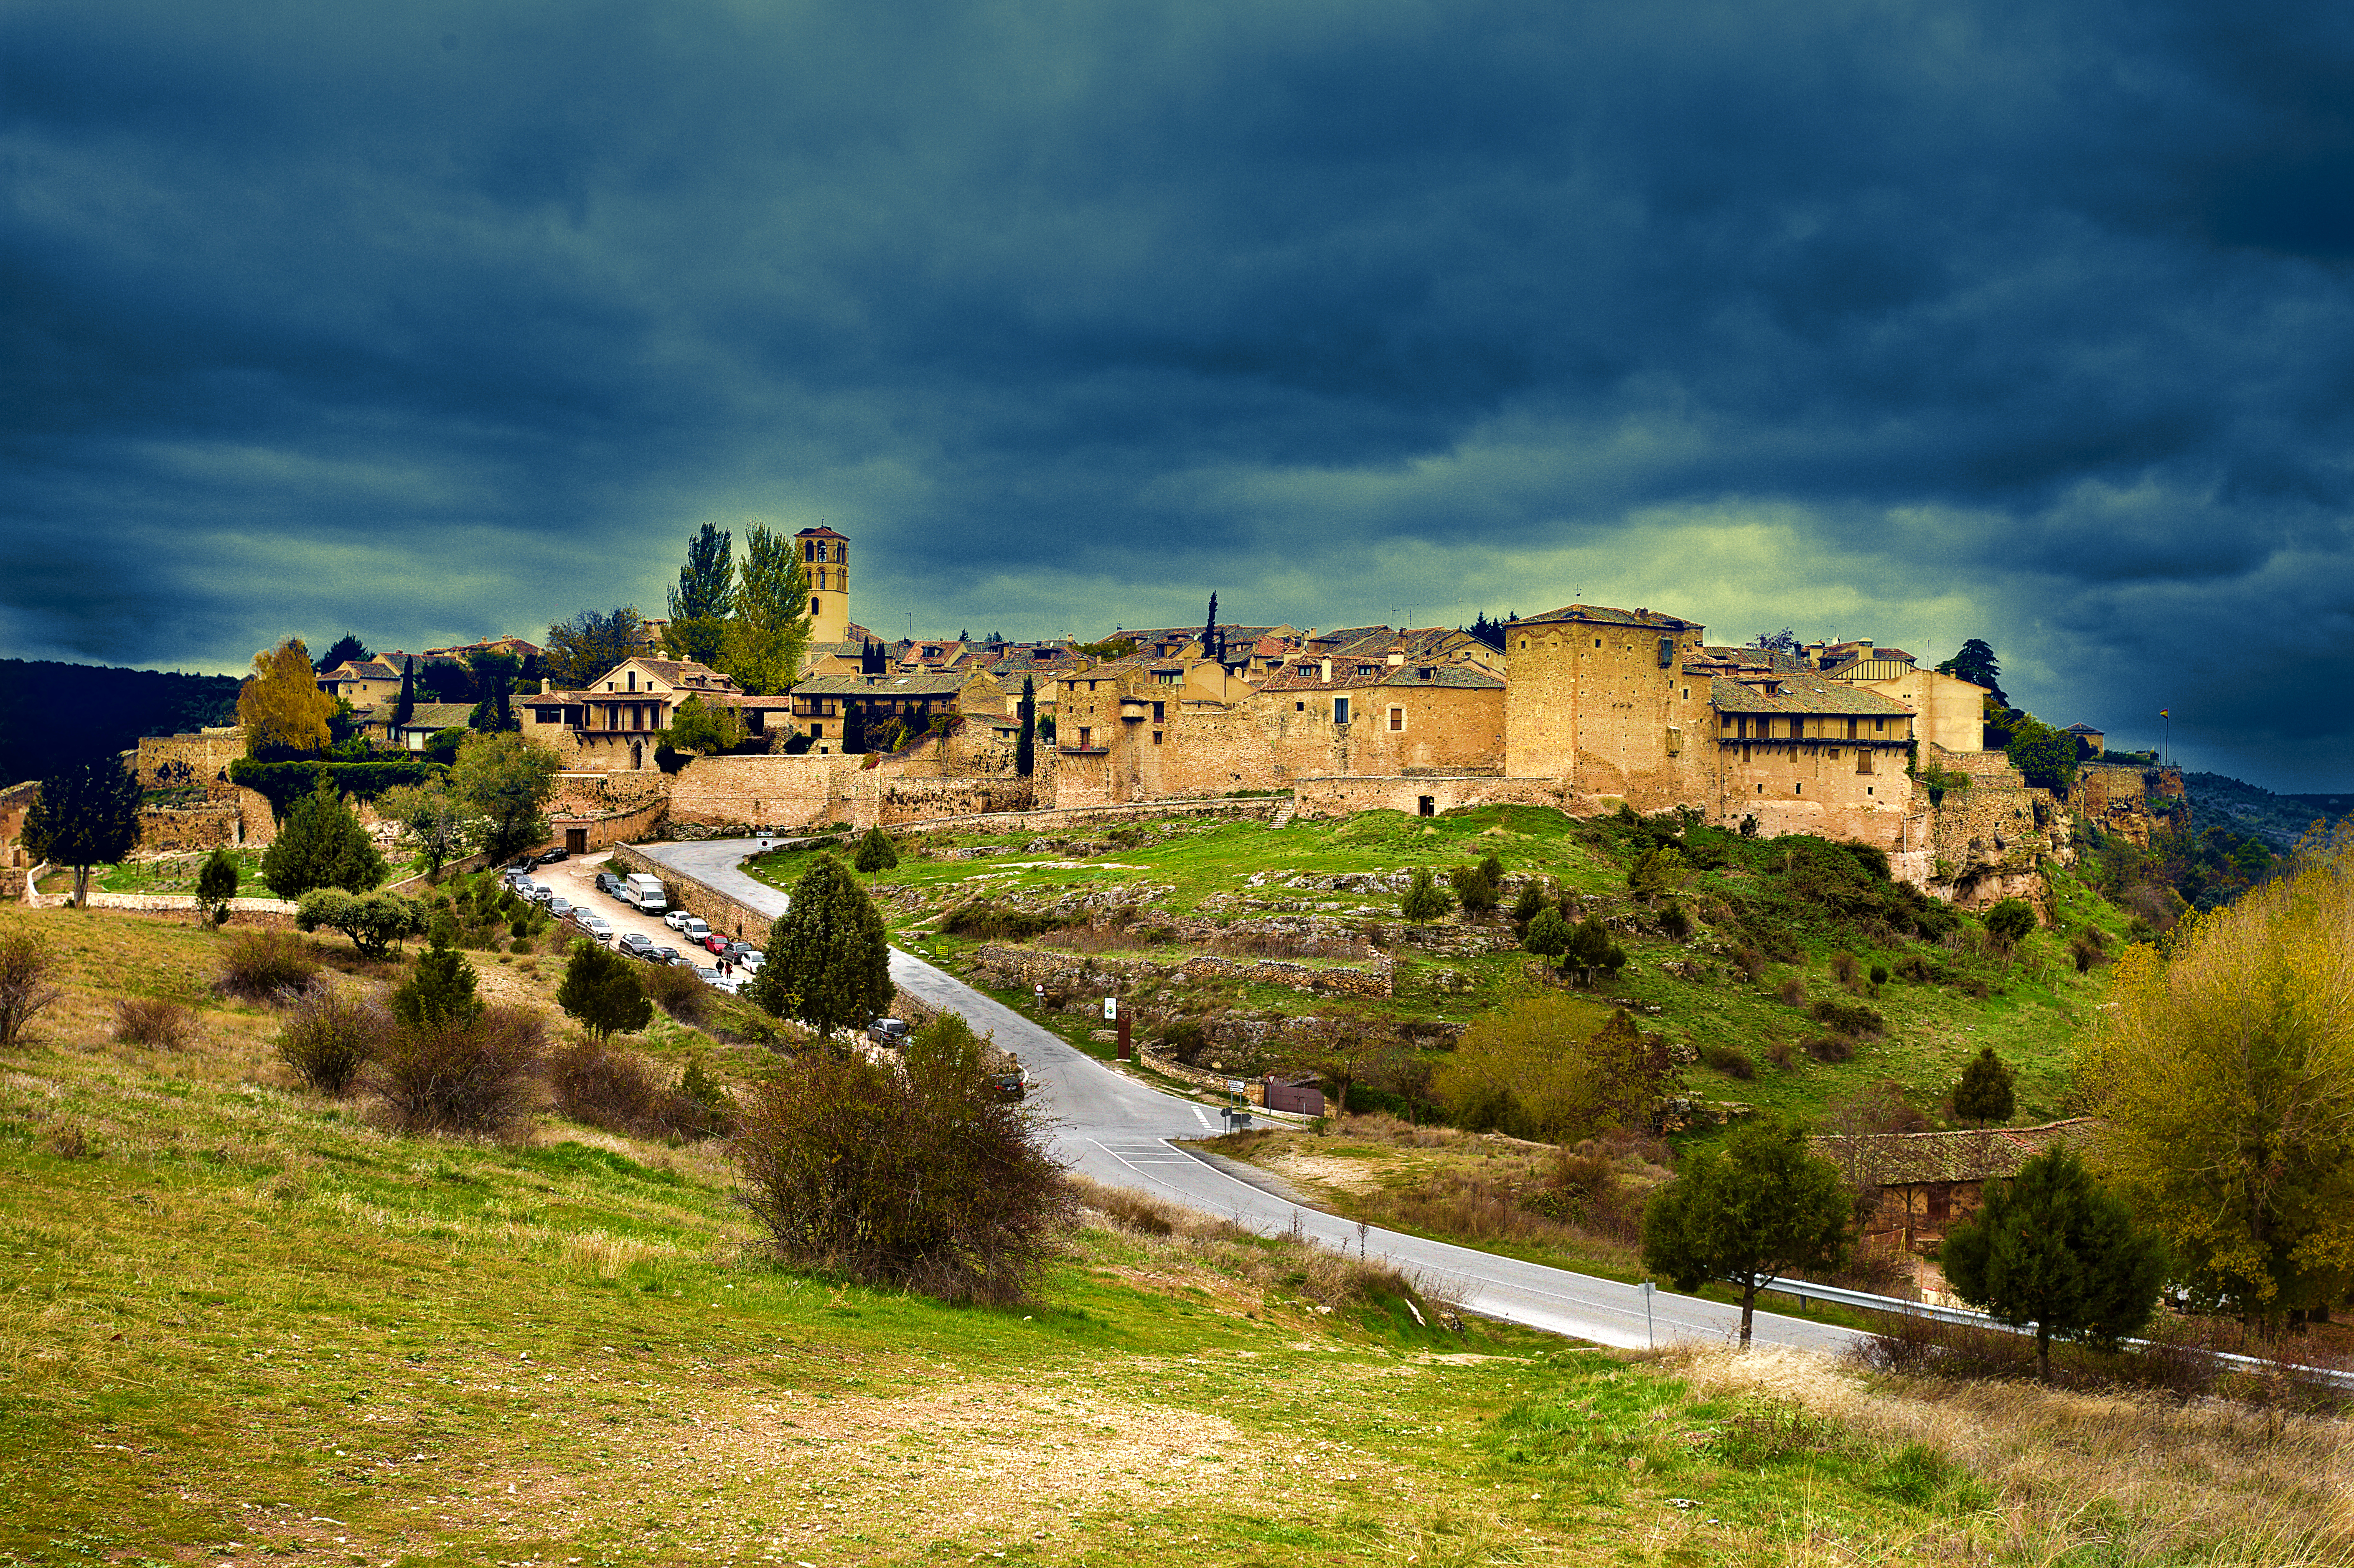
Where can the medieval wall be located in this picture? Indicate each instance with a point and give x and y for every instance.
(1589, 705)
(2130, 802)
(1989, 842)
(1342, 795)
(163, 761)
(1833, 791)
(771, 791)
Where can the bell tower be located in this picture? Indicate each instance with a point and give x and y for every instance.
(825, 556)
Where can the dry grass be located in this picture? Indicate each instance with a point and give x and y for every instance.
(2127, 1478)
(157, 1022)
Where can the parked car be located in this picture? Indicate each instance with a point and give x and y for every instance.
(551, 856)
(635, 944)
(596, 926)
(1013, 1085)
(676, 919)
(665, 955)
(736, 951)
(751, 962)
(521, 862)
(716, 943)
(891, 1032)
(695, 930)
(559, 907)
(608, 883)
(541, 893)
(524, 886)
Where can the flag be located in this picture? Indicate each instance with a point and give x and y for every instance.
(2164, 713)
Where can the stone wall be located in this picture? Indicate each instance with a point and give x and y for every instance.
(602, 829)
(162, 761)
(778, 792)
(178, 830)
(1606, 720)
(1989, 842)
(1341, 796)
(2130, 802)
(1818, 787)
(1087, 974)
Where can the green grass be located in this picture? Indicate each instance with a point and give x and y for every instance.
(2036, 1007)
(257, 1325)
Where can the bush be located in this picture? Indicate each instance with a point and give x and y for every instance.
(264, 966)
(461, 1074)
(918, 1178)
(25, 988)
(678, 991)
(1845, 968)
(151, 1020)
(438, 990)
(1852, 1018)
(1730, 1060)
(979, 919)
(376, 922)
(1793, 992)
(619, 1092)
(1674, 921)
(329, 1038)
(1829, 1047)
(1878, 975)
(1751, 963)
(2010, 920)
(1783, 1055)
(1475, 888)
(1424, 900)
(602, 990)
(1186, 1042)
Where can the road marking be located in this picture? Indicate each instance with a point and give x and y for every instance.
(1201, 1116)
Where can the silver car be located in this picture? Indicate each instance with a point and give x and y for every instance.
(596, 926)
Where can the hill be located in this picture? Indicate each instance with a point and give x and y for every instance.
(245, 1321)
(53, 713)
(2278, 820)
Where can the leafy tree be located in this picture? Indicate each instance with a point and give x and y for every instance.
(1025, 748)
(505, 780)
(442, 745)
(2225, 1083)
(216, 885)
(829, 960)
(495, 676)
(704, 730)
(582, 650)
(1656, 871)
(344, 650)
(1549, 933)
(768, 634)
(1976, 663)
(86, 815)
(405, 707)
(1761, 1206)
(1425, 900)
(281, 705)
(875, 851)
(2055, 1248)
(2044, 756)
(1782, 642)
(429, 820)
(440, 990)
(1591, 948)
(1536, 1071)
(1985, 1092)
(25, 992)
(376, 922)
(322, 844)
(704, 598)
(601, 991)
(2011, 921)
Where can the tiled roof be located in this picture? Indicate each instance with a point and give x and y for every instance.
(683, 671)
(2082, 729)
(1459, 677)
(1603, 615)
(445, 715)
(920, 685)
(1902, 1159)
(1800, 694)
(820, 531)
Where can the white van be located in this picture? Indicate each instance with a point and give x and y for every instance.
(645, 893)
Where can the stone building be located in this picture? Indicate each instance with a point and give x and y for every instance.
(1929, 1181)
(1599, 701)
(1808, 754)
(822, 706)
(825, 556)
(614, 726)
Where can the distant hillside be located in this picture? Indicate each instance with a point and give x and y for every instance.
(53, 713)
(2278, 820)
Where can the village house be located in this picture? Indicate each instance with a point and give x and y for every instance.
(425, 721)
(825, 707)
(615, 725)
(1929, 1181)
(1810, 753)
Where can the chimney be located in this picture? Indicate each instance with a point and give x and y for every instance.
(1327, 664)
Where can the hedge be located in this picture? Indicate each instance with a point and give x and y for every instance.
(283, 783)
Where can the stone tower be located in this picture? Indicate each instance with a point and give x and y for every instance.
(825, 556)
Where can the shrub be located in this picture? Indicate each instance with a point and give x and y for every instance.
(1986, 1091)
(25, 988)
(375, 922)
(328, 1037)
(1530, 902)
(1186, 1041)
(1424, 900)
(1730, 1060)
(1878, 975)
(619, 1092)
(678, 991)
(1750, 961)
(918, 1179)
(1845, 968)
(460, 1074)
(602, 990)
(1674, 921)
(263, 966)
(983, 920)
(1474, 888)
(1918, 970)
(2010, 920)
(2087, 948)
(1792, 991)
(1829, 1047)
(1850, 1018)
(151, 1020)
(1782, 1054)
(439, 989)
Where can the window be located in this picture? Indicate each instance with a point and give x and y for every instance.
(1340, 710)
(1086, 738)
(1429, 673)
(1862, 762)
(1798, 789)
(1687, 693)
(1850, 729)
(1597, 642)
(1667, 652)
(1364, 669)
(633, 679)
(1878, 727)
(813, 604)
(1832, 754)
(1157, 708)
(1397, 720)
(817, 731)
(1156, 738)
(1300, 707)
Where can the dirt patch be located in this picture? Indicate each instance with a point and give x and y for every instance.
(1347, 1175)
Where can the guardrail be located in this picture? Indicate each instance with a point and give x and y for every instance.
(1807, 1290)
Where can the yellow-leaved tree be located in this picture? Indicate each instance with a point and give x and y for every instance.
(281, 705)
(1540, 1069)
(2225, 1081)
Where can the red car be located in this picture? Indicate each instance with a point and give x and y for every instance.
(716, 943)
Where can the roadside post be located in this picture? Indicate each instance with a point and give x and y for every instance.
(1649, 1337)
(1112, 1014)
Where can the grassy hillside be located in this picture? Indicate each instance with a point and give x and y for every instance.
(1774, 898)
(240, 1322)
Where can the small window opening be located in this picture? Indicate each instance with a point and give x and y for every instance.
(1426, 805)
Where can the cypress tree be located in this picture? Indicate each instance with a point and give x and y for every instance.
(1026, 749)
(322, 845)
(2052, 1247)
(1211, 646)
(829, 960)
(405, 707)
(875, 851)
(440, 990)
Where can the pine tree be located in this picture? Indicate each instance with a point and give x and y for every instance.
(86, 815)
(405, 707)
(2055, 1248)
(322, 844)
(1025, 748)
(1425, 900)
(600, 990)
(875, 851)
(1761, 1206)
(829, 959)
(216, 885)
(440, 990)
(1591, 948)
(1985, 1092)
(1548, 935)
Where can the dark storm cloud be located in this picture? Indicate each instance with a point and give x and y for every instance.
(2025, 321)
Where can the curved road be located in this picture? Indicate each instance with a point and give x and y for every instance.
(1120, 1131)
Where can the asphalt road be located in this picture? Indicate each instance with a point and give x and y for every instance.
(1119, 1130)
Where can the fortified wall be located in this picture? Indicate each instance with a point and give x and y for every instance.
(166, 761)
(1987, 841)
(2131, 801)
(808, 791)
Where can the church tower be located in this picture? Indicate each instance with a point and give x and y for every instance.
(825, 556)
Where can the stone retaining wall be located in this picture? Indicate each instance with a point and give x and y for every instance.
(1341, 795)
(720, 911)
(1094, 974)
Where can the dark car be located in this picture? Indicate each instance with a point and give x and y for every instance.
(635, 945)
(1010, 1085)
(551, 856)
(521, 862)
(608, 883)
(666, 955)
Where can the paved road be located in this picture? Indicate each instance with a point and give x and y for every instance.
(1119, 1130)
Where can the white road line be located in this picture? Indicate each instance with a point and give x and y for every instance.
(1201, 1116)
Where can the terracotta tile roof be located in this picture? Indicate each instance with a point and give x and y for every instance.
(1309, 677)
(1903, 1159)
(445, 715)
(819, 533)
(913, 685)
(1808, 694)
(1603, 615)
(2082, 729)
(683, 671)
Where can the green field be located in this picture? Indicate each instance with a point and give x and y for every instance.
(2033, 1005)
(239, 1322)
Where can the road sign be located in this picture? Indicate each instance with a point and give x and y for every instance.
(1235, 1085)
(1111, 1007)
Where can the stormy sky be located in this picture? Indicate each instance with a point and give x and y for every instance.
(2031, 322)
